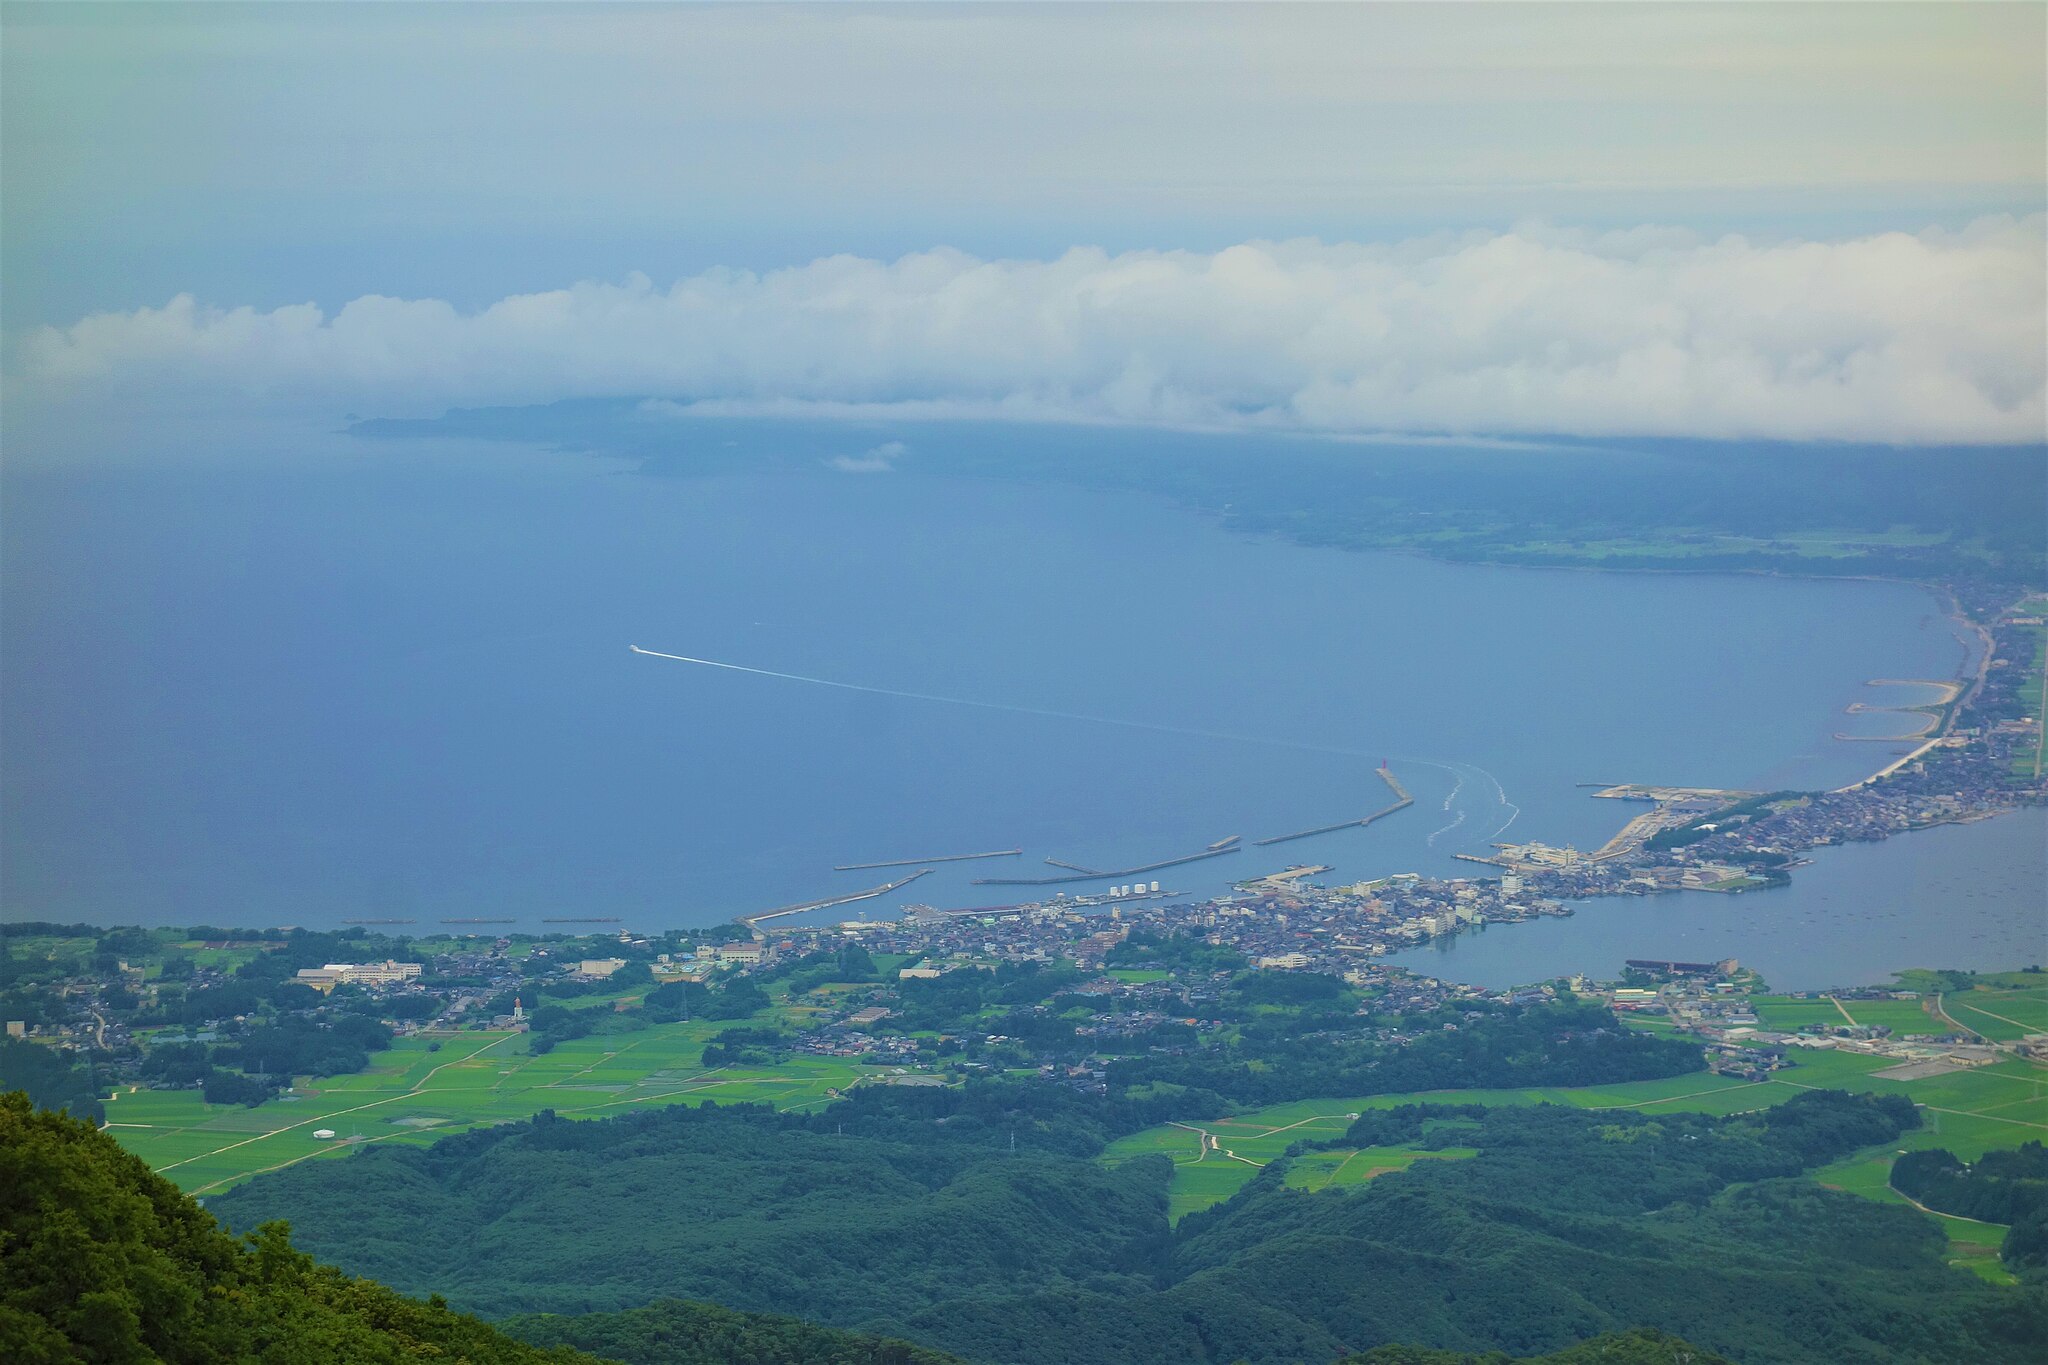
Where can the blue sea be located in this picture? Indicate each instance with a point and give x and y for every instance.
(350, 680)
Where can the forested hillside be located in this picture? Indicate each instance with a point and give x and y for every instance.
(1609, 1348)
(102, 1261)
(910, 1215)
(674, 1333)
(2008, 1187)
(51, 1079)
(735, 1204)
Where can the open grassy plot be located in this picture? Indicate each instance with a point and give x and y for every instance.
(1969, 1112)
(1974, 1247)
(50, 947)
(220, 959)
(1902, 1017)
(426, 1087)
(1788, 1015)
(2002, 1013)
(1350, 1168)
(1215, 1158)
(1202, 1186)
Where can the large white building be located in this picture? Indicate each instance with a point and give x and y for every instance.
(358, 973)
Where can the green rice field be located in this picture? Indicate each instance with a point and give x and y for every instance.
(2000, 1013)
(1902, 1017)
(1968, 1112)
(1346, 1168)
(418, 1091)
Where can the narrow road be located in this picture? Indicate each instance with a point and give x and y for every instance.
(322, 1118)
(1944, 1014)
(1937, 1212)
(1210, 1144)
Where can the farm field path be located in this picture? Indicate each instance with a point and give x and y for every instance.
(430, 1086)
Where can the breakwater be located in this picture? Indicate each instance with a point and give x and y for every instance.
(830, 901)
(919, 862)
(1082, 874)
(1402, 800)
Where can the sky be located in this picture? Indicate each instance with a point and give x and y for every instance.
(1756, 220)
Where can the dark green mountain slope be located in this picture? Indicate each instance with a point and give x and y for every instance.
(735, 1204)
(673, 1333)
(1643, 1347)
(1565, 1225)
(102, 1261)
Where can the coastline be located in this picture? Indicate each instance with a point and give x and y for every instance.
(1884, 615)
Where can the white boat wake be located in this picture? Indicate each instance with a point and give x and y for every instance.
(1045, 712)
(1450, 796)
(1500, 794)
(1458, 771)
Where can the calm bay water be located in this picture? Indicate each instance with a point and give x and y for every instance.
(1972, 897)
(398, 685)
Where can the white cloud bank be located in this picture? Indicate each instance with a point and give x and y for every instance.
(880, 459)
(1937, 337)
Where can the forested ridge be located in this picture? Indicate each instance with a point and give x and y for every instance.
(736, 1204)
(102, 1261)
(908, 1214)
(1641, 1347)
(1277, 1059)
(675, 1333)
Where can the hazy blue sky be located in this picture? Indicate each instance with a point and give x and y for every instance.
(268, 156)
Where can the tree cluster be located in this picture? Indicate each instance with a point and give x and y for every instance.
(2009, 1187)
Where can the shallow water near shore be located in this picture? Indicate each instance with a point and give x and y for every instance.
(399, 687)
